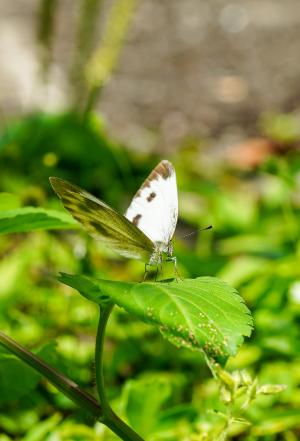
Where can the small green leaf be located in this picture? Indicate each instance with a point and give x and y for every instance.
(44, 429)
(200, 314)
(143, 400)
(26, 219)
(18, 379)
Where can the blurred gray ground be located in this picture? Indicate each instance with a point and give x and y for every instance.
(188, 67)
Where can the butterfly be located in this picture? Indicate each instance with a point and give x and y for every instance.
(145, 231)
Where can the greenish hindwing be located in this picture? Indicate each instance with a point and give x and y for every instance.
(103, 222)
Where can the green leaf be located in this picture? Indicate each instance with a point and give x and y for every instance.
(143, 400)
(18, 379)
(43, 429)
(26, 219)
(200, 314)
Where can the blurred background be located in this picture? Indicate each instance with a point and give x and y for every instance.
(97, 92)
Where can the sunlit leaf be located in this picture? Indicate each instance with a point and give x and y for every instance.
(200, 314)
(26, 219)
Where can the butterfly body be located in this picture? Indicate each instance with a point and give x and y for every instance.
(146, 229)
(160, 253)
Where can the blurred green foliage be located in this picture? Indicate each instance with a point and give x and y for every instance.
(165, 393)
(100, 31)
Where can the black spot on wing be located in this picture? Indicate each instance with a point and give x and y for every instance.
(136, 219)
(151, 196)
(99, 228)
(77, 206)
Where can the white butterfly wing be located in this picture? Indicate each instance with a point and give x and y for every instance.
(154, 208)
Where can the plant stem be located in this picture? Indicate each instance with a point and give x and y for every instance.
(125, 432)
(64, 384)
(104, 59)
(110, 419)
(71, 389)
(99, 352)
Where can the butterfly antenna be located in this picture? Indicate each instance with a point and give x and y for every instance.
(196, 231)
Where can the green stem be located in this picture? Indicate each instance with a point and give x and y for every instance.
(91, 101)
(71, 389)
(120, 428)
(64, 384)
(104, 59)
(110, 419)
(99, 352)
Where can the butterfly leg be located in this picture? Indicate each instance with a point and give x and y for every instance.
(178, 276)
(161, 271)
(156, 273)
(174, 260)
(146, 272)
(147, 265)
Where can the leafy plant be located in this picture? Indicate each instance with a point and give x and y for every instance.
(254, 248)
(203, 314)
